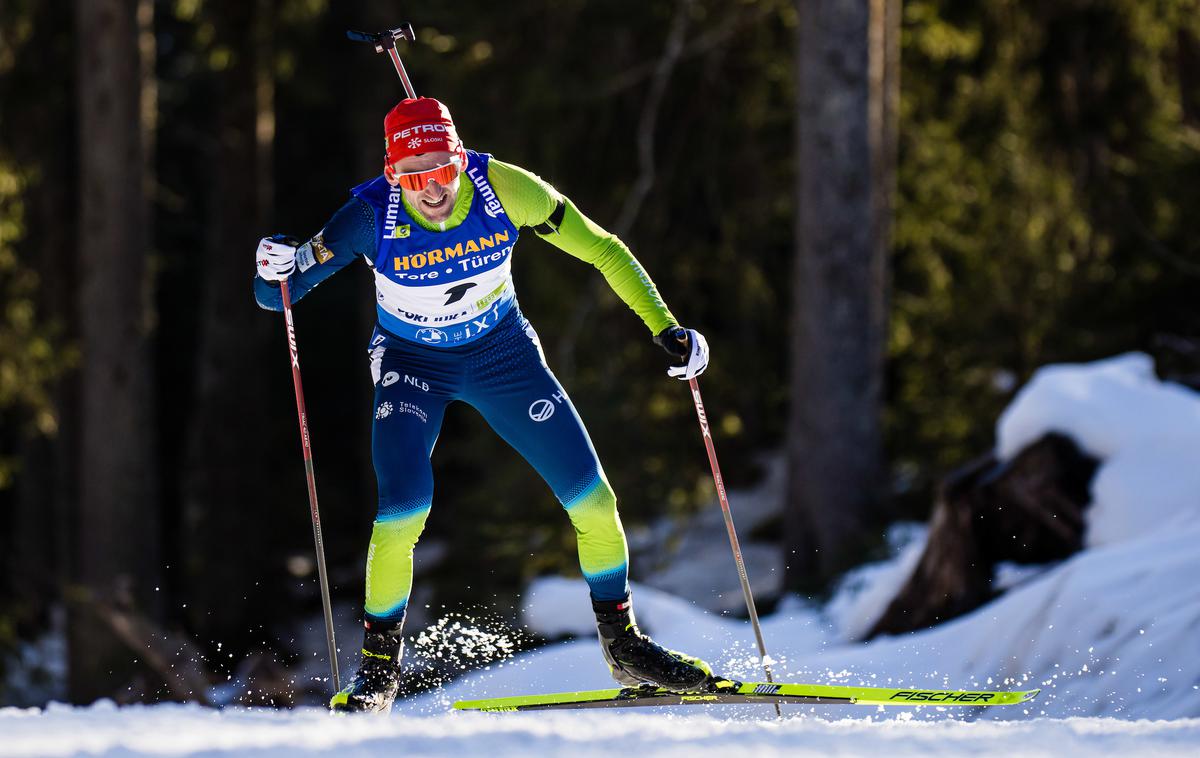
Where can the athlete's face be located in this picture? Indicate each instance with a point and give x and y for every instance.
(436, 200)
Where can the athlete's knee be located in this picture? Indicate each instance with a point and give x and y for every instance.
(401, 492)
(594, 510)
(403, 505)
(390, 564)
(399, 530)
(390, 555)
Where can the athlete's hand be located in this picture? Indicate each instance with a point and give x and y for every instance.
(688, 347)
(276, 257)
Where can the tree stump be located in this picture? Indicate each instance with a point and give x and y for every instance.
(1028, 510)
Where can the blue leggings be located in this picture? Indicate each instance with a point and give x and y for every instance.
(504, 376)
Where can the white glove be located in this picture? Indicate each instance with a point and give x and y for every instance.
(276, 258)
(693, 355)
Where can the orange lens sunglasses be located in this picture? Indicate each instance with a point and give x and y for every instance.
(419, 180)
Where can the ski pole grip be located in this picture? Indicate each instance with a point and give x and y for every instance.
(385, 39)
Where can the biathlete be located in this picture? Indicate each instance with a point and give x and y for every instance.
(438, 230)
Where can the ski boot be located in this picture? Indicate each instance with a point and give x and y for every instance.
(374, 687)
(634, 659)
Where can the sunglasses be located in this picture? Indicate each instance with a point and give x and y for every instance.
(419, 180)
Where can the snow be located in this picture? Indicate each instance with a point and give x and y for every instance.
(173, 730)
(864, 593)
(1145, 432)
(1109, 635)
(690, 557)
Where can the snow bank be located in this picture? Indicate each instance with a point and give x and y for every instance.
(1146, 434)
(864, 593)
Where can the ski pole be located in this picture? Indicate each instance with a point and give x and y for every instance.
(312, 483)
(386, 40)
(706, 432)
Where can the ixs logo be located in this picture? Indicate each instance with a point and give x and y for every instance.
(491, 204)
(935, 696)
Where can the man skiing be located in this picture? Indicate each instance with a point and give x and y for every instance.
(438, 230)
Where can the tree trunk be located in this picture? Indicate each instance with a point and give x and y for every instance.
(43, 516)
(116, 546)
(834, 434)
(229, 469)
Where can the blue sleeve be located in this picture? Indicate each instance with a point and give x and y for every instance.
(348, 235)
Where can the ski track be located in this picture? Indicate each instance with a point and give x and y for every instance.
(191, 730)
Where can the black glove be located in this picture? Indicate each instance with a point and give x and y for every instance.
(688, 347)
(674, 340)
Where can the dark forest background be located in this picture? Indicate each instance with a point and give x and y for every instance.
(884, 216)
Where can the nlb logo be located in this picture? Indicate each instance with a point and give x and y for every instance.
(392, 377)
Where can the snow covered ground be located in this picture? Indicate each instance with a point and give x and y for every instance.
(172, 730)
(1111, 636)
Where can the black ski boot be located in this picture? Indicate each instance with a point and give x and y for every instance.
(635, 659)
(375, 685)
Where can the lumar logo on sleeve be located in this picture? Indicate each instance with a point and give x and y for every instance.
(391, 213)
(933, 696)
(446, 254)
(491, 204)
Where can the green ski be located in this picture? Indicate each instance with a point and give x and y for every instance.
(723, 691)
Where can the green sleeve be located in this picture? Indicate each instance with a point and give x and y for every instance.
(529, 200)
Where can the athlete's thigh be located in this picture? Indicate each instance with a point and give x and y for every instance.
(408, 410)
(524, 402)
